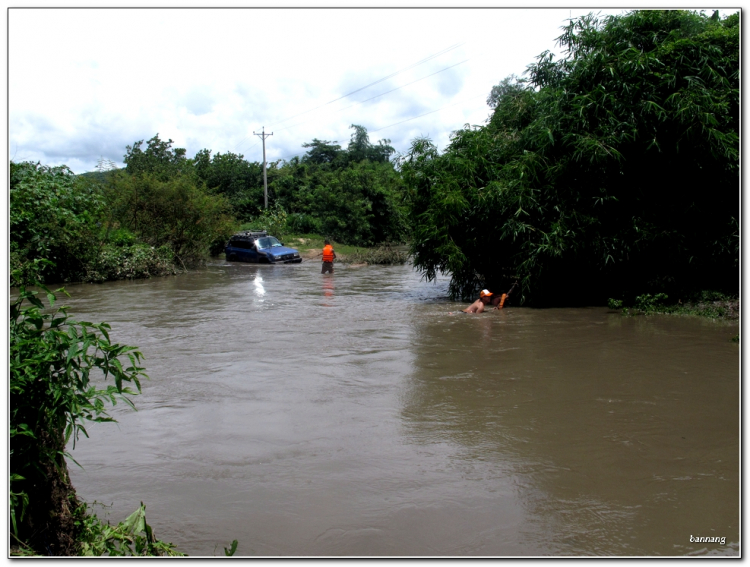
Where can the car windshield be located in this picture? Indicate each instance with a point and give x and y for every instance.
(268, 242)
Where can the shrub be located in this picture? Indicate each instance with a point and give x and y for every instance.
(131, 262)
(131, 537)
(587, 181)
(55, 364)
(273, 220)
(381, 255)
(177, 212)
(53, 227)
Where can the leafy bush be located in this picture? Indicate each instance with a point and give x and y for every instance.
(53, 230)
(273, 220)
(131, 537)
(709, 304)
(176, 212)
(589, 179)
(131, 262)
(385, 254)
(648, 303)
(55, 365)
(303, 223)
(121, 237)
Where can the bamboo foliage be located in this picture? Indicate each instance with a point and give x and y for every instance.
(612, 170)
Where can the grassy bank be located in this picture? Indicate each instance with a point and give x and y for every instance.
(310, 245)
(708, 304)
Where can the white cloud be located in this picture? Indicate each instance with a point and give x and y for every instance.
(84, 83)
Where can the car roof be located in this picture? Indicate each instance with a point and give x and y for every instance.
(249, 234)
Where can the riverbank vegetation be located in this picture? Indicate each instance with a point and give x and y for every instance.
(610, 172)
(384, 254)
(164, 212)
(63, 373)
(311, 245)
(708, 304)
(67, 228)
(610, 175)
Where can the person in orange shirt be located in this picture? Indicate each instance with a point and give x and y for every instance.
(328, 256)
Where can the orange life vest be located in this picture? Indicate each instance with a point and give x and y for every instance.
(502, 300)
(328, 253)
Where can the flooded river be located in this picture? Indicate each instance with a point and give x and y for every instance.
(353, 415)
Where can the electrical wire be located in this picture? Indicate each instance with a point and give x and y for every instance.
(426, 113)
(446, 50)
(407, 120)
(381, 94)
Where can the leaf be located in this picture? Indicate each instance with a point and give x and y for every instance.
(136, 522)
(230, 552)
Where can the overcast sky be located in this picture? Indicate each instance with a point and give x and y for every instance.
(84, 83)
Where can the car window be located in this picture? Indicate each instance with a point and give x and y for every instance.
(268, 242)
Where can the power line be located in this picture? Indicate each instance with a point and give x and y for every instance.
(381, 94)
(425, 114)
(407, 84)
(248, 149)
(430, 57)
(452, 47)
(407, 120)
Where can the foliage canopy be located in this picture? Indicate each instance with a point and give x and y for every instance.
(610, 172)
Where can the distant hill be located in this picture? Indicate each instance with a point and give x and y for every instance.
(98, 175)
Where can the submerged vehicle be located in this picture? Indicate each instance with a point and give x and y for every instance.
(259, 246)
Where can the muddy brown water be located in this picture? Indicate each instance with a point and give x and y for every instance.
(353, 415)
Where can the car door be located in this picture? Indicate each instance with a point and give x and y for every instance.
(252, 251)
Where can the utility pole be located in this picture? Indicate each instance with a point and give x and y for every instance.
(263, 135)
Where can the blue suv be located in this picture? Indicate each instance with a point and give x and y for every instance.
(257, 246)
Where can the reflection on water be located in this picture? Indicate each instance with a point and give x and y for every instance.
(260, 291)
(328, 288)
(309, 414)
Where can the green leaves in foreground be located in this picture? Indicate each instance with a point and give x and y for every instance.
(131, 537)
(229, 552)
(62, 374)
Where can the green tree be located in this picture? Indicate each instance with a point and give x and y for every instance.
(53, 223)
(612, 172)
(360, 147)
(240, 181)
(355, 195)
(322, 152)
(510, 86)
(356, 203)
(177, 212)
(159, 158)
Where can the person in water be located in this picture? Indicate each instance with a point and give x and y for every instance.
(485, 297)
(328, 256)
